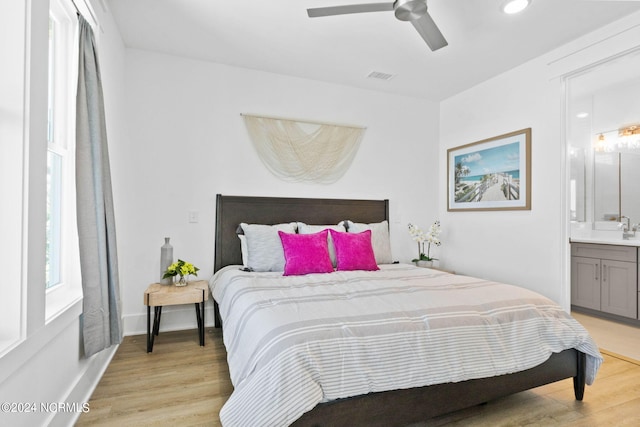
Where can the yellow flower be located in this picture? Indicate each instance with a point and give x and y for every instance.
(181, 268)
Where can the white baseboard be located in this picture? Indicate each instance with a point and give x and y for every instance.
(80, 392)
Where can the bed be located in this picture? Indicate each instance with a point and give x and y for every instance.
(390, 403)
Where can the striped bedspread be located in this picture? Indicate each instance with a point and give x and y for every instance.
(295, 341)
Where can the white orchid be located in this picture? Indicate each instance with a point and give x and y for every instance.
(432, 237)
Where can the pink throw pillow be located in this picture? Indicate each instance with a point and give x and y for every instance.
(354, 251)
(305, 253)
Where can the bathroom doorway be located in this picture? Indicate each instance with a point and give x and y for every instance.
(603, 162)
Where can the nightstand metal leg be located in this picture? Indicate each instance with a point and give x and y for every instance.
(202, 332)
(151, 334)
(200, 320)
(156, 320)
(149, 344)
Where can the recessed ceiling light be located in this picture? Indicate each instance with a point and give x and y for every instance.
(515, 6)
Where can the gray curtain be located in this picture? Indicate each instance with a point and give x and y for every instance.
(100, 320)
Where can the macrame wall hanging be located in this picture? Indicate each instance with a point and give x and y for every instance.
(300, 151)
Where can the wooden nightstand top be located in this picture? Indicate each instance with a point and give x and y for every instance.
(158, 295)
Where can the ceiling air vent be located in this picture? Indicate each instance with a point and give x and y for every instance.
(380, 76)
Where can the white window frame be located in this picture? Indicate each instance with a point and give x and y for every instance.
(13, 171)
(68, 290)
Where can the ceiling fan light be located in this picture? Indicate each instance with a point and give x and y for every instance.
(515, 6)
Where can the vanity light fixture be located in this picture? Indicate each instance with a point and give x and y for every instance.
(601, 144)
(626, 138)
(630, 136)
(515, 6)
(630, 131)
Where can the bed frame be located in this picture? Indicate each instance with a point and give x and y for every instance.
(390, 408)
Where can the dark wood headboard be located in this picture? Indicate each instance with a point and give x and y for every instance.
(232, 210)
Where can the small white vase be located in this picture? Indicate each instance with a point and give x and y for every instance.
(424, 264)
(166, 258)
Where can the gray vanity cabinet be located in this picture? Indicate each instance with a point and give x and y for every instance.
(605, 278)
(585, 282)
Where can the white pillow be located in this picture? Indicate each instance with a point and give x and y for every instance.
(243, 249)
(310, 229)
(264, 247)
(379, 239)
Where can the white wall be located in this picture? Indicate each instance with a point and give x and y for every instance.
(186, 142)
(518, 247)
(46, 365)
(187, 113)
(527, 248)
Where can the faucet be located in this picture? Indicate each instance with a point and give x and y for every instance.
(628, 230)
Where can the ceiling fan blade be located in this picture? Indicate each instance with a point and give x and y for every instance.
(429, 32)
(351, 8)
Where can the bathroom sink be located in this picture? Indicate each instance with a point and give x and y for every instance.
(606, 234)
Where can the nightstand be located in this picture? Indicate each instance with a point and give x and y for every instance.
(157, 296)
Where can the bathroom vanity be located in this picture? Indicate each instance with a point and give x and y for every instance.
(604, 277)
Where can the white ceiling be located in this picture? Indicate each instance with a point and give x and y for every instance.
(277, 36)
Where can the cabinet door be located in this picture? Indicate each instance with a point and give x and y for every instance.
(619, 288)
(585, 282)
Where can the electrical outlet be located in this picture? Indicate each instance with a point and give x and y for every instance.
(193, 216)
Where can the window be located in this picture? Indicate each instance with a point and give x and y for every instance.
(54, 165)
(61, 271)
(54, 218)
(58, 138)
(12, 169)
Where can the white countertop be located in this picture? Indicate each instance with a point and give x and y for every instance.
(604, 233)
(607, 241)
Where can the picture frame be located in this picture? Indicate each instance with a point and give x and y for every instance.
(492, 174)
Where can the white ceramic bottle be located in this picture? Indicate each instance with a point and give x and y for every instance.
(166, 259)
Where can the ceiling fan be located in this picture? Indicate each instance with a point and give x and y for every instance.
(414, 11)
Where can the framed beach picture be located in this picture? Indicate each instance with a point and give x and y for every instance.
(492, 174)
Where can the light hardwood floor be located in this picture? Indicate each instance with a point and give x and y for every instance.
(183, 384)
(179, 384)
(614, 337)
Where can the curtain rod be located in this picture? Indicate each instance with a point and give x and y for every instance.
(73, 2)
(303, 121)
(87, 7)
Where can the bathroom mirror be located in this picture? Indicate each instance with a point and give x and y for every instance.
(606, 187)
(617, 186)
(577, 184)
